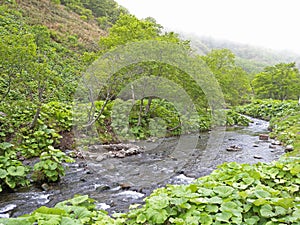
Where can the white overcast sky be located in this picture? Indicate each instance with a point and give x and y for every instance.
(268, 23)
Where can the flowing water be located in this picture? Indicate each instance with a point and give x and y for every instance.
(115, 183)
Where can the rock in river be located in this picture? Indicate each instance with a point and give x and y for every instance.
(289, 148)
(264, 137)
(234, 148)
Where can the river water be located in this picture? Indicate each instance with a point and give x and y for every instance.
(115, 183)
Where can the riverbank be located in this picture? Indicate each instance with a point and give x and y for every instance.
(116, 183)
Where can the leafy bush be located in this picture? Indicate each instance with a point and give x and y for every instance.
(234, 118)
(284, 119)
(50, 167)
(77, 211)
(267, 109)
(12, 172)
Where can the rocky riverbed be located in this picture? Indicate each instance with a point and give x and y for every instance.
(117, 177)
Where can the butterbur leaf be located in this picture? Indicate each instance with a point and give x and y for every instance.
(54, 211)
(69, 221)
(262, 194)
(223, 191)
(280, 211)
(223, 217)
(295, 170)
(141, 218)
(260, 201)
(79, 199)
(284, 202)
(3, 173)
(215, 200)
(212, 208)
(253, 220)
(5, 145)
(266, 211)
(205, 219)
(16, 221)
(158, 202)
(16, 170)
(228, 206)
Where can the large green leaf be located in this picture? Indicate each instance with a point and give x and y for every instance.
(16, 170)
(3, 173)
(158, 202)
(223, 191)
(266, 211)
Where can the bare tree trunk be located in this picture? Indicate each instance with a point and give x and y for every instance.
(40, 103)
(140, 113)
(132, 94)
(36, 116)
(99, 114)
(148, 105)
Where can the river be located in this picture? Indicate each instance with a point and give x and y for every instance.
(115, 183)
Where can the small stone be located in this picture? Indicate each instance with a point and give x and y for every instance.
(100, 158)
(45, 187)
(234, 148)
(103, 188)
(125, 185)
(120, 154)
(272, 146)
(263, 137)
(89, 172)
(96, 148)
(274, 142)
(255, 145)
(289, 148)
(257, 157)
(82, 165)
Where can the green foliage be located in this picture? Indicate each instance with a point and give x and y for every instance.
(58, 116)
(281, 81)
(50, 167)
(267, 109)
(26, 142)
(284, 119)
(234, 118)
(233, 194)
(128, 28)
(160, 120)
(232, 78)
(77, 211)
(104, 10)
(12, 172)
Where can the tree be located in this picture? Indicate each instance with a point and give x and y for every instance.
(131, 37)
(281, 81)
(232, 78)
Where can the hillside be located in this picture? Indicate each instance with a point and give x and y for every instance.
(65, 25)
(252, 59)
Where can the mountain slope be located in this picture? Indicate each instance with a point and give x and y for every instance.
(252, 59)
(66, 26)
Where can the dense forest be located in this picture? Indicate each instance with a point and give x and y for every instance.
(49, 91)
